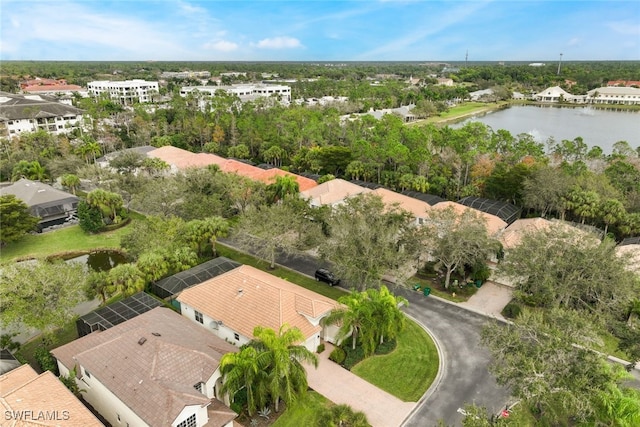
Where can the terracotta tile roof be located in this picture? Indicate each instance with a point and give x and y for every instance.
(513, 234)
(52, 88)
(154, 379)
(331, 192)
(246, 297)
(219, 414)
(183, 159)
(494, 224)
(240, 168)
(24, 391)
(416, 207)
(269, 177)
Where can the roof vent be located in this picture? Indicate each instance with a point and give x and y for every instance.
(142, 340)
(155, 334)
(240, 291)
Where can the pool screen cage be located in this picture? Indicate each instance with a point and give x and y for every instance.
(503, 210)
(113, 314)
(170, 286)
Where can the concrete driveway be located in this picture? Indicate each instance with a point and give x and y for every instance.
(342, 387)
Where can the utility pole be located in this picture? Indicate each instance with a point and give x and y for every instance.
(466, 58)
(559, 64)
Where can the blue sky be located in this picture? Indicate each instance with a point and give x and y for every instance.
(308, 30)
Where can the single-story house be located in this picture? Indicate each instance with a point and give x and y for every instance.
(493, 223)
(417, 208)
(156, 369)
(332, 192)
(45, 202)
(268, 176)
(232, 304)
(31, 399)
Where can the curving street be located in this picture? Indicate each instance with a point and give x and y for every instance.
(464, 376)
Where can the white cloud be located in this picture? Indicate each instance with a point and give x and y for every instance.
(625, 27)
(574, 41)
(221, 45)
(191, 9)
(279, 43)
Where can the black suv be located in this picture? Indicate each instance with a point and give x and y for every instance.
(325, 275)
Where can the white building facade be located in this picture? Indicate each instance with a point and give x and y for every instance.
(246, 92)
(124, 92)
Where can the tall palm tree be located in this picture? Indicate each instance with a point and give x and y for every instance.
(70, 181)
(154, 265)
(386, 314)
(282, 355)
(242, 370)
(356, 319)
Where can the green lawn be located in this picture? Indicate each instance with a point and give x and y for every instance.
(62, 336)
(284, 273)
(408, 371)
(66, 239)
(305, 412)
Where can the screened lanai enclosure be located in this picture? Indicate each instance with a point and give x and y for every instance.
(503, 210)
(172, 285)
(113, 314)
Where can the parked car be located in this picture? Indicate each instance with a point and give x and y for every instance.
(324, 275)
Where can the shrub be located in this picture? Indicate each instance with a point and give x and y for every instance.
(46, 361)
(89, 217)
(386, 347)
(338, 355)
(511, 310)
(320, 348)
(353, 356)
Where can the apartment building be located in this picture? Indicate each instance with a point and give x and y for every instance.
(125, 92)
(246, 92)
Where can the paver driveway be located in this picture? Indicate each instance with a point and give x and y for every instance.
(342, 387)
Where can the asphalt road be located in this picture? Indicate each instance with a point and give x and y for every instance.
(464, 363)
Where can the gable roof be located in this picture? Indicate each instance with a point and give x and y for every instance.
(331, 192)
(155, 378)
(22, 390)
(246, 297)
(512, 236)
(493, 223)
(416, 207)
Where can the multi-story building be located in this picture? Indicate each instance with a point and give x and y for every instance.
(125, 92)
(246, 92)
(30, 113)
(614, 95)
(185, 75)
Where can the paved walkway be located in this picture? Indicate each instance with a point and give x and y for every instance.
(342, 387)
(490, 299)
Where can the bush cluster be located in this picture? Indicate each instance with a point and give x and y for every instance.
(338, 355)
(46, 361)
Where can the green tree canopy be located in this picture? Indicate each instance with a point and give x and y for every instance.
(15, 219)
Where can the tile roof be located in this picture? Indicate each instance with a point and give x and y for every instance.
(246, 297)
(52, 88)
(494, 224)
(35, 193)
(17, 107)
(633, 253)
(154, 379)
(416, 207)
(240, 168)
(24, 391)
(269, 177)
(511, 236)
(331, 192)
(183, 159)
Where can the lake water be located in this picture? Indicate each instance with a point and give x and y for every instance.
(596, 126)
(100, 260)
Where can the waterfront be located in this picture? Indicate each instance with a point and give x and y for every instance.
(597, 127)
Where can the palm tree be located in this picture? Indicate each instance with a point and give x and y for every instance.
(153, 265)
(242, 370)
(125, 278)
(89, 149)
(70, 181)
(343, 416)
(387, 317)
(356, 319)
(281, 355)
(613, 211)
(199, 232)
(283, 186)
(97, 285)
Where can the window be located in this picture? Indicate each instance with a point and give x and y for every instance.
(199, 318)
(198, 387)
(189, 422)
(237, 337)
(87, 373)
(118, 415)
